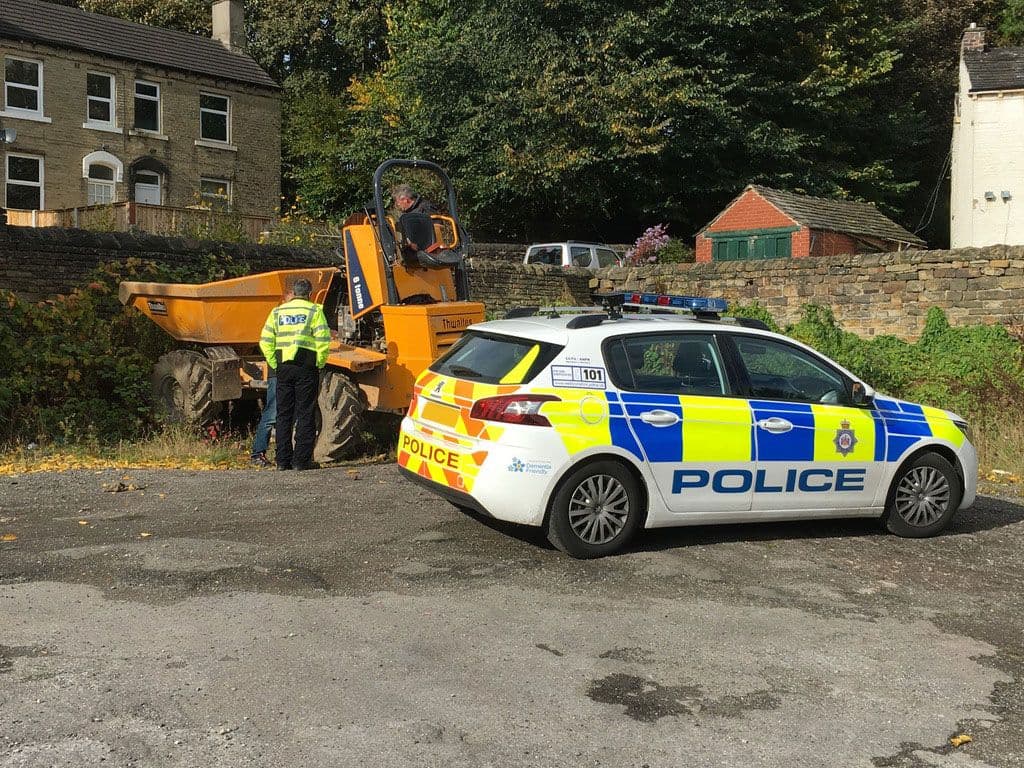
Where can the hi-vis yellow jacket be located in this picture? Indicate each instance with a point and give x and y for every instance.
(297, 325)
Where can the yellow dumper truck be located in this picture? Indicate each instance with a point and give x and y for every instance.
(398, 299)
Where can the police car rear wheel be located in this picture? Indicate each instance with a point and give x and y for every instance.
(925, 494)
(595, 511)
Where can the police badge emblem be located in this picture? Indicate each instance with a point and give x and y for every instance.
(844, 440)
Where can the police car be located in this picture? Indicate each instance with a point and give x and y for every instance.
(596, 425)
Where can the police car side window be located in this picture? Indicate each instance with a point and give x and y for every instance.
(781, 372)
(680, 364)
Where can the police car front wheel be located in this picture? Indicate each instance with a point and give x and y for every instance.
(596, 510)
(924, 496)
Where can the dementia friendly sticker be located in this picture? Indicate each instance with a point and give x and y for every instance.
(579, 376)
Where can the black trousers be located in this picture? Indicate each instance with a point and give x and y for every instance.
(297, 388)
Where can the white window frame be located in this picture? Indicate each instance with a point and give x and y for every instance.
(18, 112)
(109, 185)
(42, 177)
(159, 106)
(111, 102)
(216, 198)
(227, 117)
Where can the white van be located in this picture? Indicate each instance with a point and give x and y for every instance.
(572, 254)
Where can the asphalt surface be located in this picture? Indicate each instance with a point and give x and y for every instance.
(344, 617)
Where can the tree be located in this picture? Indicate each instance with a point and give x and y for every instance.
(653, 110)
(1011, 24)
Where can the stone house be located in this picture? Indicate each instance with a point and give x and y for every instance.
(107, 110)
(765, 223)
(987, 153)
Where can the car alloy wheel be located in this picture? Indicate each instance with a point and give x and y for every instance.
(599, 509)
(922, 497)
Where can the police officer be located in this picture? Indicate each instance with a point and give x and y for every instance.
(295, 341)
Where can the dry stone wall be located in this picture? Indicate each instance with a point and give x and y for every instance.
(870, 294)
(37, 263)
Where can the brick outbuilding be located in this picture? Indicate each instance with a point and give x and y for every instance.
(765, 223)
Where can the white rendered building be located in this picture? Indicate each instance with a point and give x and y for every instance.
(987, 155)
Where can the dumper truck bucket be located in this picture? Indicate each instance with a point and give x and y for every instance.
(223, 312)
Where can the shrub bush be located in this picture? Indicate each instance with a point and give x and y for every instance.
(77, 367)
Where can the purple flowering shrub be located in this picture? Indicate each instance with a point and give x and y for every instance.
(646, 248)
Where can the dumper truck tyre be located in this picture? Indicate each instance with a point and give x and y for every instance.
(342, 412)
(183, 388)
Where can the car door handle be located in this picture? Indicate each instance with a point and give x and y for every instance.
(775, 425)
(659, 418)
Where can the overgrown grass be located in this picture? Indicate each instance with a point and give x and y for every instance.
(975, 371)
(175, 446)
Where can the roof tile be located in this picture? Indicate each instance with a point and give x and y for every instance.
(845, 216)
(1001, 69)
(63, 27)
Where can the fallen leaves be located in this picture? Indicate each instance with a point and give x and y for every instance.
(1001, 476)
(145, 535)
(121, 487)
(6, 537)
(960, 740)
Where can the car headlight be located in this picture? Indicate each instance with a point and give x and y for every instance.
(964, 427)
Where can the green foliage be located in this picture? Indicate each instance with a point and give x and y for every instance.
(77, 368)
(755, 310)
(676, 251)
(976, 371)
(1011, 24)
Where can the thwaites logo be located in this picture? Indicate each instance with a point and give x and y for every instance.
(452, 323)
(156, 307)
(845, 441)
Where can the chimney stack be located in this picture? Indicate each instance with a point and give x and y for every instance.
(229, 24)
(973, 40)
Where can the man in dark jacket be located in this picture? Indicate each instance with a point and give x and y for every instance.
(414, 222)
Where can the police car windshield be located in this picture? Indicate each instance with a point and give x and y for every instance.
(494, 359)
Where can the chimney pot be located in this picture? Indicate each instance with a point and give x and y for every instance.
(973, 39)
(229, 24)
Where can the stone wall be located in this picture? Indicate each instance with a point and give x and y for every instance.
(36, 263)
(502, 285)
(870, 294)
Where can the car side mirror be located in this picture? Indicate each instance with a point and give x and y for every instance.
(861, 394)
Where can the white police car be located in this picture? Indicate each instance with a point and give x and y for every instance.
(594, 425)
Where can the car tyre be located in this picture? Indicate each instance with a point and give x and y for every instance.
(924, 496)
(596, 510)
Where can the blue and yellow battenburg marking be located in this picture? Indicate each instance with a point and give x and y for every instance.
(721, 429)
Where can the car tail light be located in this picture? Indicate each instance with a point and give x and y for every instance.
(513, 409)
(412, 406)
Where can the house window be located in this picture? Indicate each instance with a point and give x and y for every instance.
(101, 184)
(147, 106)
(215, 192)
(24, 182)
(99, 90)
(214, 117)
(23, 87)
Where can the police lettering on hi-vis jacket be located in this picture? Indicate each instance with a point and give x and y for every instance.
(295, 342)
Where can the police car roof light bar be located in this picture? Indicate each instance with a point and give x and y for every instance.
(668, 301)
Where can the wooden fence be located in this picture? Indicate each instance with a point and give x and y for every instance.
(198, 223)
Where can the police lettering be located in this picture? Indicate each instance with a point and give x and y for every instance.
(743, 480)
(430, 452)
(292, 319)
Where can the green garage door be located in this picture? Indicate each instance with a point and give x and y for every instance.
(752, 244)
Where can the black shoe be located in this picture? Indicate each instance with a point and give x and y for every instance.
(283, 468)
(304, 467)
